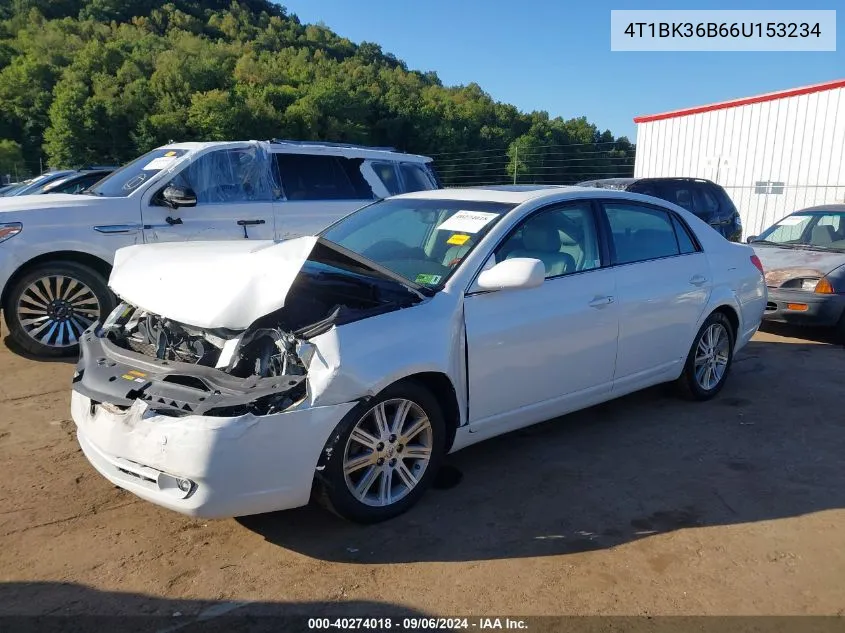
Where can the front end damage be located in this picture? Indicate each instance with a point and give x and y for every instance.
(218, 422)
(178, 370)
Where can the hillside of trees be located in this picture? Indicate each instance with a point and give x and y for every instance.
(101, 81)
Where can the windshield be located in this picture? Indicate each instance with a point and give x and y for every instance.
(128, 178)
(817, 230)
(34, 184)
(420, 240)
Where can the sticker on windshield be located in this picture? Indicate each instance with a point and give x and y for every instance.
(158, 163)
(458, 240)
(792, 220)
(423, 278)
(467, 221)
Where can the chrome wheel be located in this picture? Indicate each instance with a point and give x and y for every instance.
(388, 452)
(712, 356)
(54, 310)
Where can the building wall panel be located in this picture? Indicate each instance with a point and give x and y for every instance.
(796, 140)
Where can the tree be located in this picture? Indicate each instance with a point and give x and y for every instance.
(11, 160)
(105, 80)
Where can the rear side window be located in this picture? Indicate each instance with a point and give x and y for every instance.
(386, 172)
(706, 203)
(416, 177)
(641, 233)
(312, 177)
(685, 243)
(679, 193)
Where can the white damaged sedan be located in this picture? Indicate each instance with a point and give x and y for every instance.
(243, 377)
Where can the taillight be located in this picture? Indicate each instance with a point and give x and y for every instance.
(756, 261)
(824, 287)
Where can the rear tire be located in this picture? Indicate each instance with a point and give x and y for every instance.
(387, 465)
(51, 304)
(709, 360)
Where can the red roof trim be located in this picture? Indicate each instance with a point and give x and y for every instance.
(771, 96)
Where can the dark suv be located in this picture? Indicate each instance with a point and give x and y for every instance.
(702, 197)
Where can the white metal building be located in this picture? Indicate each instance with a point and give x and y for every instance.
(773, 153)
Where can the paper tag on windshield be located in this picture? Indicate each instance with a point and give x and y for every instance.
(792, 220)
(159, 163)
(467, 221)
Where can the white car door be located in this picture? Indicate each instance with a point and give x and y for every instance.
(663, 282)
(235, 197)
(318, 190)
(536, 353)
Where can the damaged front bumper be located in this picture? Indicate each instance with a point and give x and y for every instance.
(207, 466)
(195, 439)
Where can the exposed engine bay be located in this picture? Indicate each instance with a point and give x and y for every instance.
(178, 369)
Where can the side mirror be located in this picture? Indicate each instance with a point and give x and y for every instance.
(751, 238)
(175, 197)
(512, 274)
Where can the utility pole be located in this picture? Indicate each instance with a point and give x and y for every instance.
(515, 161)
(40, 165)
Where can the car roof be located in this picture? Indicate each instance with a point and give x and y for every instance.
(310, 147)
(507, 194)
(822, 208)
(631, 181)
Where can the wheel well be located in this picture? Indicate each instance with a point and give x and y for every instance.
(732, 317)
(92, 261)
(441, 388)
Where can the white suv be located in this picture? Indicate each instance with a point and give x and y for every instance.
(56, 250)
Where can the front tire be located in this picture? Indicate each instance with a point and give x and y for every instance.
(383, 455)
(709, 360)
(50, 305)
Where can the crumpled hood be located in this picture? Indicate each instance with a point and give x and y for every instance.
(47, 201)
(210, 284)
(783, 264)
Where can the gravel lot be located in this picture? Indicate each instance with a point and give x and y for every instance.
(648, 505)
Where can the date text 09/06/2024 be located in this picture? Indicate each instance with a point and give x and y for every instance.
(417, 623)
(714, 29)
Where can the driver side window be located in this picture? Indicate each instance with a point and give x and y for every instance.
(228, 176)
(563, 238)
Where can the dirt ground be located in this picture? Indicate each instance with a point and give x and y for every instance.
(648, 505)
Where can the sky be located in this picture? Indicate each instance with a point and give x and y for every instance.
(554, 55)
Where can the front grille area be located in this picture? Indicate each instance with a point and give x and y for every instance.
(771, 306)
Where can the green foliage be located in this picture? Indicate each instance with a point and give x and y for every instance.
(101, 81)
(11, 159)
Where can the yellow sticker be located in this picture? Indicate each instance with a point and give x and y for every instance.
(135, 372)
(128, 377)
(170, 154)
(458, 240)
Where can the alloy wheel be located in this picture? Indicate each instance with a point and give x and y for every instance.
(54, 310)
(711, 356)
(388, 452)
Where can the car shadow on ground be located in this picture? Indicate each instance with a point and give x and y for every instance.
(16, 349)
(643, 465)
(58, 606)
(816, 334)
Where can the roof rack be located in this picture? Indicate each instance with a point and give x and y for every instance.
(332, 144)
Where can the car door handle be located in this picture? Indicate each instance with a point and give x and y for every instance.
(600, 302)
(698, 280)
(245, 223)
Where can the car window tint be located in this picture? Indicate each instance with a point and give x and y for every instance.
(386, 172)
(685, 243)
(640, 233)
(415, 177)
(226, 176)
(311, 177)
(563, 238)
(706, 204)
(679, 193)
